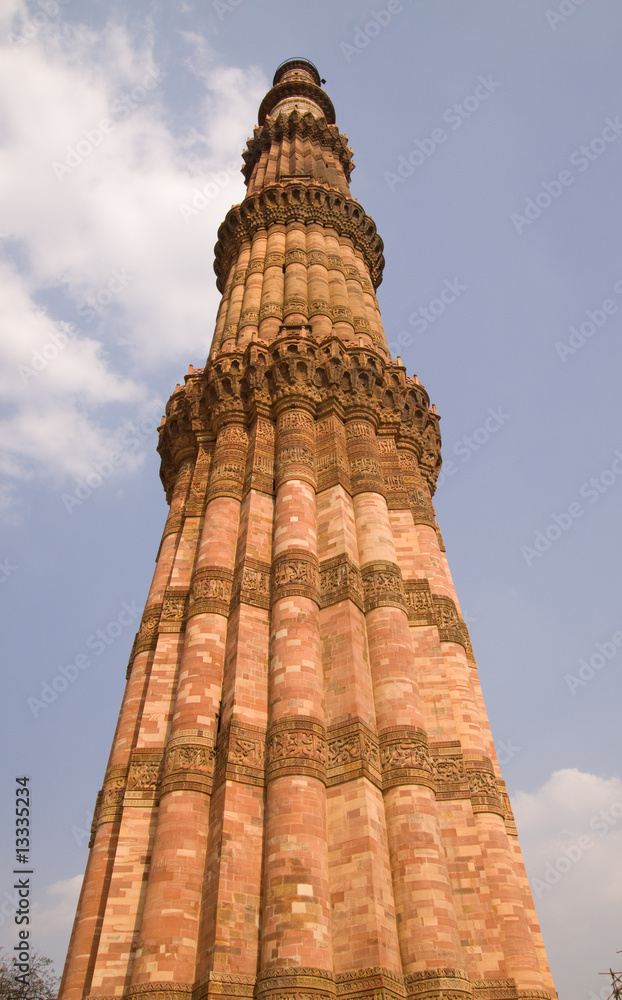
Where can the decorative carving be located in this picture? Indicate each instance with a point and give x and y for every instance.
(374, 983)
(210, 591)
(495, 989)
(295, 255)
(160, 991)
(429, 984)
(483, 786)
(147, 635)
(173, 607)
(448, 620)
(382, 585)
(296, 418)
(224, 985)
(295, 574)
(340, 580)
(236, 385)
(143, 776)
(508, 815)
(319, 307)
(110, 799)
(305, 203)
(296, 746)
(251, 584)
(295, 983)
(270, 310)
(405, 757)
(294, 305)
(248, 317)
(188, 762)
(352, 753)
(240, 754)
(341, 314)
(302, 126)
(419, 602)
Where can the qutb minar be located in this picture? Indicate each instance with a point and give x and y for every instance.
(303, 800)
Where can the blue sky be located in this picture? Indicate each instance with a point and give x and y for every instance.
(488, 143)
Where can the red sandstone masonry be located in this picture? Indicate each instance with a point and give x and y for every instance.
(305, 777)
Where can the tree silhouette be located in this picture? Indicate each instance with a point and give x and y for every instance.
(42, 982)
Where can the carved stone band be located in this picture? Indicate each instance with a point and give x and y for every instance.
(432, 983)
(382, 585)
(405, 757)
(251, 584)
(160, 991)
(173, 607)
(224, 985)
(296, 983)
(340, 580)
(240, 754)
(370, 984)
(448, 620)
(143, 777)
(210, 591)
(188, 762)
(147, 636)
(353, 753)
(307, 204)
(419, 603)
(296, 574)
(466, 776)
(296, 746)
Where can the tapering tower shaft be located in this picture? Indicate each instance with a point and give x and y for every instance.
(303, 798)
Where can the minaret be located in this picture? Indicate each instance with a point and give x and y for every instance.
(302, 800)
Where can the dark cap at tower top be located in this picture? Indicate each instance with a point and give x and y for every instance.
(297, 86)
(296, 64)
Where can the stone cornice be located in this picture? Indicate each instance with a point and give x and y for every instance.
(296, 125)
(296, 88)
(297, 368)
(297, 202)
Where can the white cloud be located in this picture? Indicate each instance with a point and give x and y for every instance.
(53, 919)
(571, 838)
(97, 238)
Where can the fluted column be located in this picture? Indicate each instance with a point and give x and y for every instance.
(425, 917)
(271, 309)
(169, 932)
(230, 934)
(364, 931)
(296, 915)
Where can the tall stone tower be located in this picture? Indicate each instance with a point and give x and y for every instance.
(302, 800)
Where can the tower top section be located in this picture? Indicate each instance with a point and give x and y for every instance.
(297, 87)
